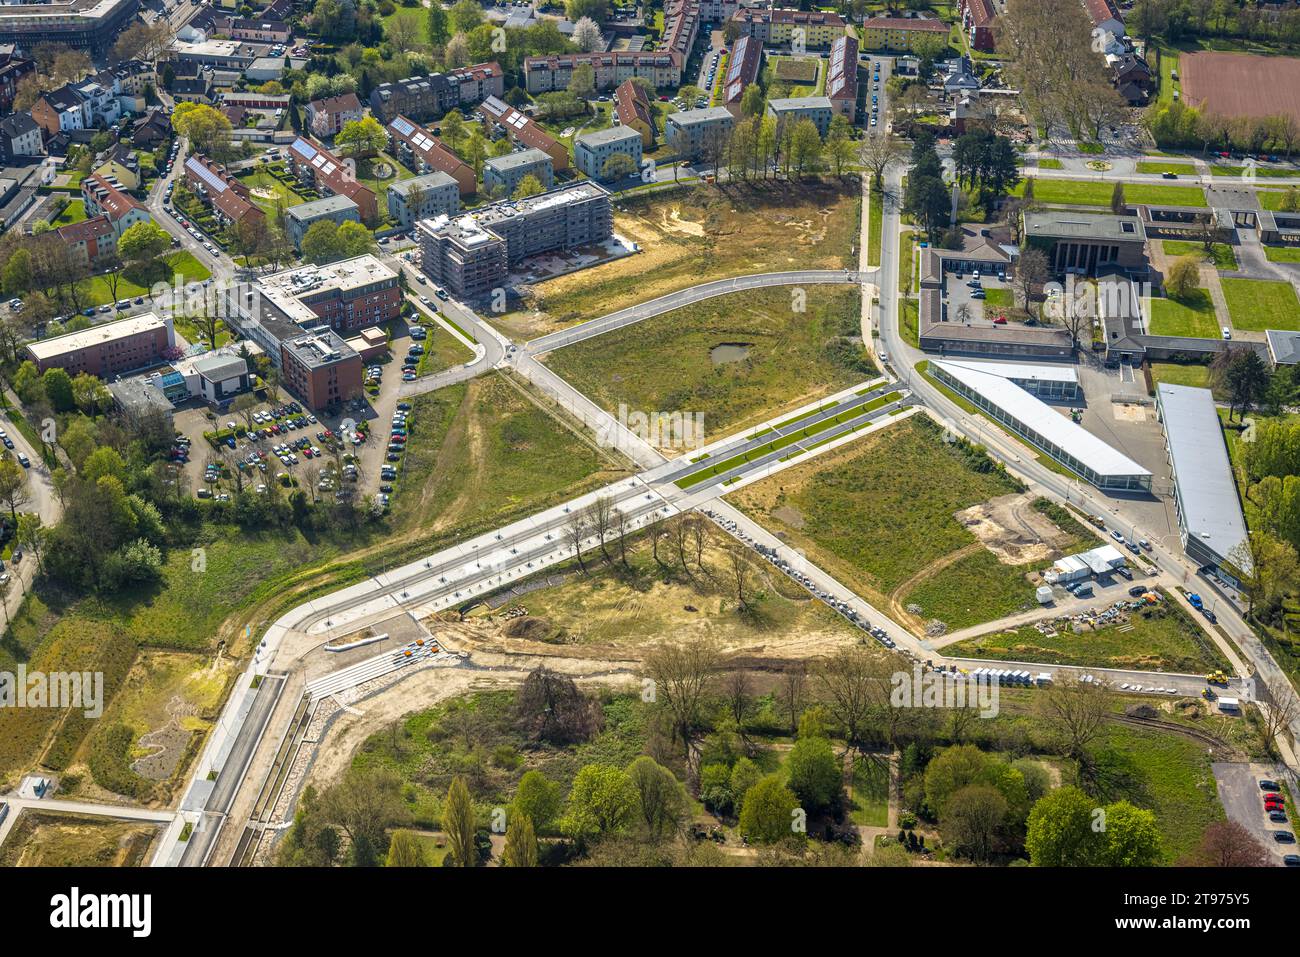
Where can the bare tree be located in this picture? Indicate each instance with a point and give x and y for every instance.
(622, 526)
(575, 530)
(682, 675)
(879, 152)
(599, 515)
(793, 692)
(738, 689)
(740, 576)
(1031, 272)
(1227, 844)
(1275, 720)
(1074, 711)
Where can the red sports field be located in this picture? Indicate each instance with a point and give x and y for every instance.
(1241, 84)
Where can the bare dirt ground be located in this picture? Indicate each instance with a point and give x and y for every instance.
(1012, 529)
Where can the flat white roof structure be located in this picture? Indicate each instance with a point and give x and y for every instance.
(45, 349)
(1071, 445)
(1205, 492)
(1020, 371)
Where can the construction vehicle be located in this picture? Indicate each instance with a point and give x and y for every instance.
(1216, 678)
(1208, 694)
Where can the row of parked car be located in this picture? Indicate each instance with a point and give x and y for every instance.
(1275, 809)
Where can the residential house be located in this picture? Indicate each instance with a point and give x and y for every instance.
(522, 130)
(422, 197)
(503, 174)
(105, 196)
(842, 77)
(230, 200)
(424, 153)
(634, 110)
(335, 209)
(326, 117)
(316, 166)
(20, 137)
(744, 66)
(591, 151)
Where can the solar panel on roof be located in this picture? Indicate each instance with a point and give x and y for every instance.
(404, 127)
(304, 149)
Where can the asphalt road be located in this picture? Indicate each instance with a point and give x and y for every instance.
(684, 297)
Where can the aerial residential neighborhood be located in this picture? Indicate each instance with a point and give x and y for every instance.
(677, 434)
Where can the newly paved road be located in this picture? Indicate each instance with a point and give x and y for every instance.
(685, 297)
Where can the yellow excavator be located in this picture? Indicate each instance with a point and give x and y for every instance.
(1216, 678)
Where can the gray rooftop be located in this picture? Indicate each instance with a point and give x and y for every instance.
(1070, 225)
(1210, 511)
(528, 157)
(711, 114)
(428, 181)
(1284, 346)
(217, 367)
(613, 134)
(799, 104)
(320, 207)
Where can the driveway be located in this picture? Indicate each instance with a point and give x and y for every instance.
(1243, 801)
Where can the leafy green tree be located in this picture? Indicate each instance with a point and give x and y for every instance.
(767, 814)
(744, 775)
(603, 800)
(321, 244)
(1060, 831)
(538, 798)
(465, 16)
(361, 138)
(1131, 837)
(438, 25)
(815, 775)
(715, 788)
(529, 185)
(752, 100)
(598, 10)
(458, 822)
(17, 274)
(972, 819)
(405, 850)
(521, 843)
(58, 389)
(618, 166)
(660, 797)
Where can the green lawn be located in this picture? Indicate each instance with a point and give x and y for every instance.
(262, 181)
(1193, 316)
(1067, 192)
(1256, 305)
(667, 364)
(180, 262)
(1049, 163)
(876, 228)
(1282, 254)
(74, 212)
(999, 299)
(1162, 638)
(1271, 199)
(1261, 172)
(1151, 166)
(1197, 376)
(1224, 258)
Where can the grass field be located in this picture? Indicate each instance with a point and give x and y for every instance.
(1256, 305)
(1271, 199)
(1282, 254)
(178, 263)
(876, 228)
(1192, 316)
(263, 182)
(1067, 192)
(485, 452)
(74, 212)
(666, 364)
(1049, 163)
(1222, 254)
(879, 510)
(1197, 376)
(976, 589)
(999, 298)
(1161, 639)
(46, 839)
(442, 350)
(1162, 166)
(698, 234)
(1169, 774)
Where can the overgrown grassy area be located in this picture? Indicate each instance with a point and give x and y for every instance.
(1069, 192)
(485, 452)
(1256, 304)
(789, 347)
(1193, 315)
(1158, 638)
(880, 510)
(46, 839)
(698, 234)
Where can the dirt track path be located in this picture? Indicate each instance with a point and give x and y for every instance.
(901, 614)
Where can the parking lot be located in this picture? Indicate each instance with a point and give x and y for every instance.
(970, 291)
(1243, 800)
(310, 448)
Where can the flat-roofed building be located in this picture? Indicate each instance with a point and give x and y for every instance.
(423, 152)
(1210, 520)
(818, 109)
(335, 209)
(995, 393)
(692, 133)
(471, 254)
(744, 66)
(320, 368)
(503, 174)
(108, 349)
(346, 295)
(422, 197)
(89, 25)
(591, 151)
(1087, 243)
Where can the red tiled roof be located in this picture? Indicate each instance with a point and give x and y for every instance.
(928, 24)
(632, 104)
(343, 103)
